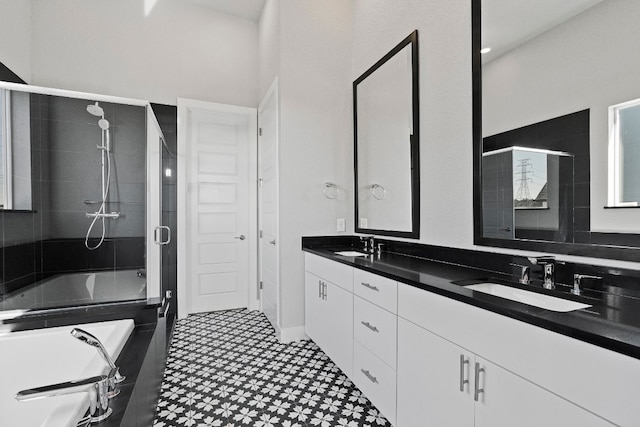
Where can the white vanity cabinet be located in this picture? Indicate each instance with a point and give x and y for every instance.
(427, 360)
(523, 376)
(329, 309)
(438, 386)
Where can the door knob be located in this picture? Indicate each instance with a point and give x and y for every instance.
(240, 237)
(273, 242)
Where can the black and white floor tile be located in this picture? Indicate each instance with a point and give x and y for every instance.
(228, 369)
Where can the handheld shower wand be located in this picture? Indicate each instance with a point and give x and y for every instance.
(87, 338)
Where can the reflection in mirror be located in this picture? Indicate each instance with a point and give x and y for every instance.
(527, 193)
(386, 144)
(547, 60)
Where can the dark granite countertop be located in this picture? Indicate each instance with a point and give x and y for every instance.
(612, 321)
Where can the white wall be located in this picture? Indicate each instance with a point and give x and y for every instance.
(315, 129)
(116, 47)
(588, 62)
(444, 38)
(268, 45)
(15, 37)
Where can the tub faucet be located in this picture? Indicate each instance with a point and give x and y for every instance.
(114, 373)
(97, 387)
(548, 263)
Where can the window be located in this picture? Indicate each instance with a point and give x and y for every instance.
(5, 151)
(624, 154)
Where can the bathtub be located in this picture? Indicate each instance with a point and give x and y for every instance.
(48, 356)
(80, 288)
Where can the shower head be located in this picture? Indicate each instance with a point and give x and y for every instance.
(104, 124)
(95, 110)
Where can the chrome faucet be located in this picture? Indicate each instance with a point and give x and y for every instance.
(369, 244)
(548, 263)
(525, 273)
(114, 373)
(97, 387)
(577, 281)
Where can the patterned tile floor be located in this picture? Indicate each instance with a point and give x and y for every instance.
(227, 369)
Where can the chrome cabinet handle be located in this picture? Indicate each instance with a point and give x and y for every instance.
(370, 326)
(463, 363)
(370, 286)
(320, 289)
(324, 292)
(368, 375)
(478, 390)
(240, 237)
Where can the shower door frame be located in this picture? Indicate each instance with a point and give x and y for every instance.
(153, 165)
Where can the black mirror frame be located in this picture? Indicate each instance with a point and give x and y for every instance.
(412, 40)
(602, 250)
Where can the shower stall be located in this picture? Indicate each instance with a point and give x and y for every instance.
(91, 232)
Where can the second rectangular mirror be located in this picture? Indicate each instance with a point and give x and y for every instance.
(385, 101)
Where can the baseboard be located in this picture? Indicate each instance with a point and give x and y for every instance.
(295, 333)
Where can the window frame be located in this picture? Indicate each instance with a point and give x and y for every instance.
(5, 131)
(616, 157)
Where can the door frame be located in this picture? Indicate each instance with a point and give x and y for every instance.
(272, 92)
(184, 105)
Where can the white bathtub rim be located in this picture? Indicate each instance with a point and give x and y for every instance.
(69, 409)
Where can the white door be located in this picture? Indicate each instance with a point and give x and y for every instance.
(268, 203)
(216, 144)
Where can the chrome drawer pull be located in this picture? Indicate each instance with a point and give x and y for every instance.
(463, 381)
(370, 326)
(367, 285)
(368, 375)
(478, 390)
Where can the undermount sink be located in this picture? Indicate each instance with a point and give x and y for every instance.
(530, 298)
(350, 253)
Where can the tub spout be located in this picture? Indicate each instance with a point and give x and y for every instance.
(114, 374)
(97, 387)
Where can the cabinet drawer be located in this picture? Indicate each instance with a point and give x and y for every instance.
(377, 289)
(376, 380)
(375, 329)
(331, 271)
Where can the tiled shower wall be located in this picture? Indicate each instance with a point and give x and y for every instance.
(66, 174)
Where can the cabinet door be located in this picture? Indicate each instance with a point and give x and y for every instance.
(509, 400)
(338, 326)
(329, 320)
(313, 307)
(430, 372)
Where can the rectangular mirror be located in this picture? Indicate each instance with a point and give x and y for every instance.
(386, 116)
(548, 78)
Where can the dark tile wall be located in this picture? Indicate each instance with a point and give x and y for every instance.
(66, 172)
(569, 133)
(7, 75)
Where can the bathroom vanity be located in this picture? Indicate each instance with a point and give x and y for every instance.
(426, 350)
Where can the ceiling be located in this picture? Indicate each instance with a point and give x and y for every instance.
(507, 24)
(248, 9)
